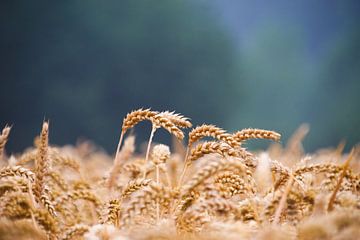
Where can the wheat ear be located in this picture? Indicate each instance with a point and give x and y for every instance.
(179, 120)
(144, 200)
(113, 213)
(42, 162)
(206, 130)
(130, 121)
(211, 147)
(158, 121)
(17, 171)
(162, 121)
(252, 133)
(133, 186)
(210, 170)
(3, 139)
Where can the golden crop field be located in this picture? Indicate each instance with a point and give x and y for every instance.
(214, 189)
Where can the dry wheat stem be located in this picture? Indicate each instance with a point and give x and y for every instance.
(282, 202)
(153, 129)
(123, 155)
(185, 167)
(343, 173)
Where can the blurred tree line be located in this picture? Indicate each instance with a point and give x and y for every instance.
(84, 65)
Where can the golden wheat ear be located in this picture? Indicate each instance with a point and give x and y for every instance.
(209, 130)
(41, 162)
(176, 118)
(137, 116)
(3, 140)
(211, 147)
(131, 120)
(161, 121)
(253, 133)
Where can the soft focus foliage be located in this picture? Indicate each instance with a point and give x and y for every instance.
(234, 63)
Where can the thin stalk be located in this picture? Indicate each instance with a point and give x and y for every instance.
(186, 165)
(148, 149)
(168, 180)
(118, 146)
(338, 185)
(157, 201)
(283, 200)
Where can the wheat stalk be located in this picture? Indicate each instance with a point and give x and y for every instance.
(125, 154)
(343, 173)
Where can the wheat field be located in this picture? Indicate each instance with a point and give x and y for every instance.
(207, 187)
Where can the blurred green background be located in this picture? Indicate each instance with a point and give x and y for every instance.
(236, 64)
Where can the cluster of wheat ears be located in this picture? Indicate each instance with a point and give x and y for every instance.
(204, 190)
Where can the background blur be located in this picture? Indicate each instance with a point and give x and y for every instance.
(236, 64)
